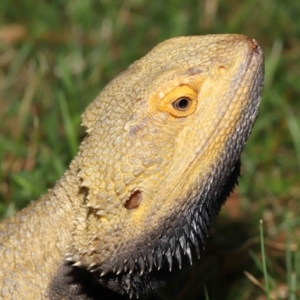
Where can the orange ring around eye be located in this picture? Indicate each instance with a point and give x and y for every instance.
(169, 103)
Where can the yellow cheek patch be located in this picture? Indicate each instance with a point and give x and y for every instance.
(179, 102)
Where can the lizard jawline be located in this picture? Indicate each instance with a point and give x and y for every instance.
(145, 268)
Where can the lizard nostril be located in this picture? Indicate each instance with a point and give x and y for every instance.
(134, 200)
(221, 69)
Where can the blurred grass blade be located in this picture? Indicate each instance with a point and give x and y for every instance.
(293, 287)
(264, 260)
(254, 280)
(205, 292)
(272, 62)
(70, 129)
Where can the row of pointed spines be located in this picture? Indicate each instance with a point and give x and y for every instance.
(224, 190)
(193, 232)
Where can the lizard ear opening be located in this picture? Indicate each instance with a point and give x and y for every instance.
(134, 200)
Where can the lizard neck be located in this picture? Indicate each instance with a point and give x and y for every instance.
(39, 236)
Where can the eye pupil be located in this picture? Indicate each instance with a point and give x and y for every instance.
(182, 104)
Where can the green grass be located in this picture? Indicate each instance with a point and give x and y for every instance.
(71, 49)
(264, 263)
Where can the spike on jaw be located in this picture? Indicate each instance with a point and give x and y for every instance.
(69, 259)
(158, 256)
(182, 242)
(169, 259)
(192, 237)
(143, 252)
(150, 262)
(77, 264)
(189, 255)
(141, 265)
(186, 229)
(194, 225)
(200, 236)
(135, 256)
(178, 257)
(119, 267)
(103, 271)
(195, 242)
(164, 245)
(118, 272)
(172, 243)
(127, 282)
(72, 258)
(91, 266)
(130, 265)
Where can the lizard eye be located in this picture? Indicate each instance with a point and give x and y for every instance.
(182, 104)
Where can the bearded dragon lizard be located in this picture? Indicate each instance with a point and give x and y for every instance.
(160, 156)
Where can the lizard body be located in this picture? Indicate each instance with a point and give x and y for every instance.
(160, 157)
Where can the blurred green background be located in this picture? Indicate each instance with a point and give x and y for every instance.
(55, 56)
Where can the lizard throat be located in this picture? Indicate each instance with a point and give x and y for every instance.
(143, 269)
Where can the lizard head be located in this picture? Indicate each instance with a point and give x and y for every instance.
(162, 154)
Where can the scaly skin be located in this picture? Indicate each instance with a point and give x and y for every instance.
(160, 157)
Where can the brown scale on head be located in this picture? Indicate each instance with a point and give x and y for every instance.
(161, 155)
